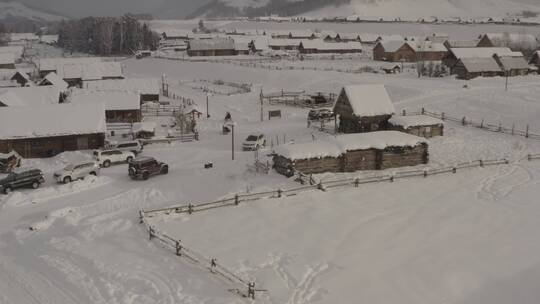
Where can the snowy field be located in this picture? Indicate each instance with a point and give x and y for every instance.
(463, 238)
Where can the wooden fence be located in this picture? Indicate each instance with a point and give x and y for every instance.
(239, 285)
(278, 193)
(481, 124)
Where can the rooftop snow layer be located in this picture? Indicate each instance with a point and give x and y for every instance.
(7, 58)
(211, 44)
(56, 81)
(51, 64)
(30, 96)
(139, 85)
(51, 120)
(114, 100)
(414, 121)
(481, 64)
(369, 100)
(336, 146)
(481, 52)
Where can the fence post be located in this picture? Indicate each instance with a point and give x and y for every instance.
(482, 124)
(513, 127)
(527, 132)
(404, 113)
(236, 200)
(442, 116)
(425, 173)
(391, 178)
(141, 216)
(463, 122)
(356, 182)
(190, 208)
(500, 127)
(529, 158)
(481, 163)
(279, 191)
(178, 248)
(423, 111)
(150, 233)
(454, 170)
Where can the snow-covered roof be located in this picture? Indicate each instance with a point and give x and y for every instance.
(414, 121)
(481, 52)
(369, 37)
(145, 126)
(30, 96)
(140, 85)
(16, 50)
(427, 46)
(90, 71)
(113, 100)
(55, 80)
(49, 38)
(349, 36)
(318, 44)
(51, 120)
(392, 45)
(369, 100)
(51, 64)
(462, 43)
(172, 33)
(283, 42)
(23, 37)
(211, 44)
(7, 58)
(481, 64)
(513, 63)
(339, 145)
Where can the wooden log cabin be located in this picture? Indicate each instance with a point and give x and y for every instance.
(363, 108)
(419, 125)
(352, 152)
(47, 130)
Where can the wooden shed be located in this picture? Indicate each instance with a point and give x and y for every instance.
(44, 131)
(352, 152)
(363, 108)
(419, 125)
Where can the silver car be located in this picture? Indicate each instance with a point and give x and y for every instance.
(76, 171)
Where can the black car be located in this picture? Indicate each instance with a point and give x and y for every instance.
(24, 178)
(144, 167)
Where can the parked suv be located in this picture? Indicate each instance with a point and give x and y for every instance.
(22, 178)
(144, 167)
(76, 171)
(134, 146)
(105, 158)
(254, 142)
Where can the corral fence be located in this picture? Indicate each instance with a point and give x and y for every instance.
(324, 185)
(299, 99)
(480, 123)
(187, 137)
(160, 110)
(244, 287)
(240, 286)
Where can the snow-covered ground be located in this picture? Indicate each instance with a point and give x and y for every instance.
(463, 238)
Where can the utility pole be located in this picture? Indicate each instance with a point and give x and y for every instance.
(506, 82)
(232, 139)
(207, 109)
(261, 97)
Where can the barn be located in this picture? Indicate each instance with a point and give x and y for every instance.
(352, 152)
(211, 47)
(512, 65)
(395, 51)
(363, 108)
(120, 106)
(147, 88)
(469, 68)
(419, 125)
(46, 130)
(455, 54)
(321, 47)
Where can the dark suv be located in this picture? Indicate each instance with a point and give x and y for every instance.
(144, 167)
(23, 178)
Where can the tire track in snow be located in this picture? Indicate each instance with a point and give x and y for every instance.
(305, 291)
(501, 184)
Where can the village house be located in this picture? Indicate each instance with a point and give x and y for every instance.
(120, 106)
(455, 54)
(469, 68)
(54, 80)
(46, 130)
(147, 88)
(514, 41)
(512, 65)
(211, 47)
(77, 75)
(395, 51)
(363, 108)
(352, 152)
(29, 96)
(321, 47)
(419, 125)
(283, 44)
(7, 61)
(21, 78)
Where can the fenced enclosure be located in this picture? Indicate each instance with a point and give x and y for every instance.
(481, 123)
(300, 99)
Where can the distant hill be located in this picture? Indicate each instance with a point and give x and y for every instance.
(370, 8)
(17, 11)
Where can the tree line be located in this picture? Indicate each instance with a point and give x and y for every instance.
(106, 36)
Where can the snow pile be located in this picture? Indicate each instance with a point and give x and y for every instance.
(369, 100)
(52, 120)
(414, 121)
(339, 145)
